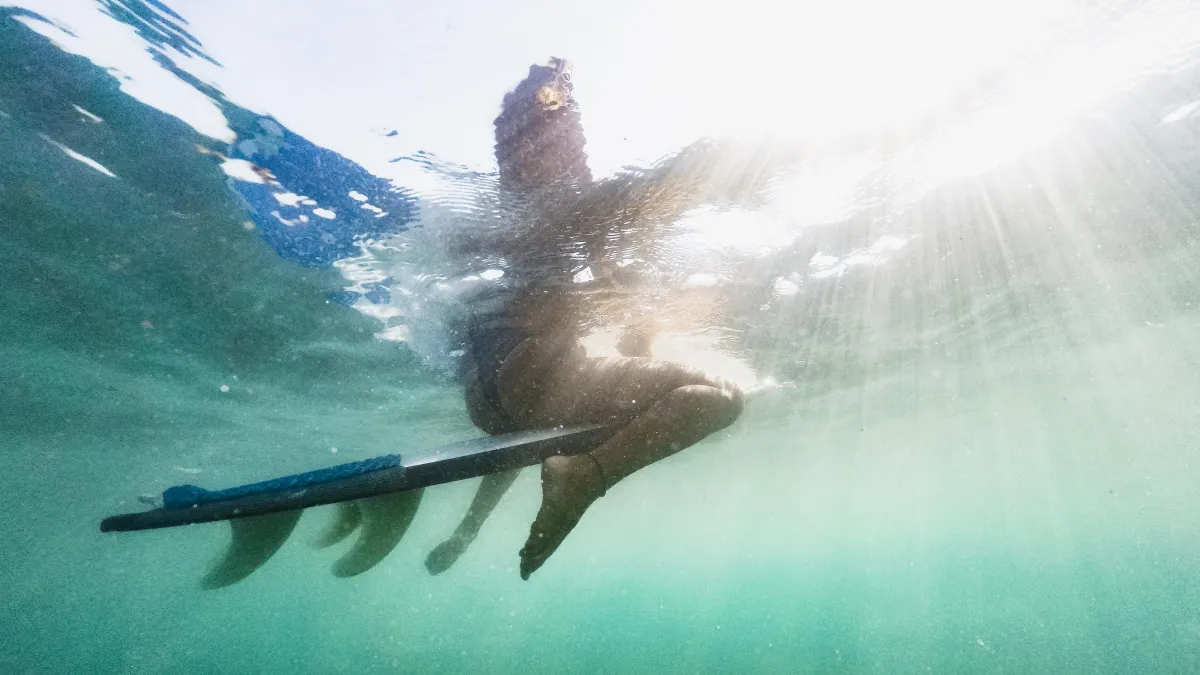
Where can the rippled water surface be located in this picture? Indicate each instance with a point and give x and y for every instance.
(951, 248)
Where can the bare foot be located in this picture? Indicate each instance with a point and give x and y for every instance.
(445, 554)
(569, 486)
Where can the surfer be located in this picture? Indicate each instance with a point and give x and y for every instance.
(529, 369)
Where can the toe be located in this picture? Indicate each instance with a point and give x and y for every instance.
(535, 551)
(531, 564)
(532, 547)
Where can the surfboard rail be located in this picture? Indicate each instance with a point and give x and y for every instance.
(187, 504)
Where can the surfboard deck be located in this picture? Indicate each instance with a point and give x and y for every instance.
(445, 464)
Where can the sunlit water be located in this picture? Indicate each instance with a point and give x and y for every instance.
(972, 318)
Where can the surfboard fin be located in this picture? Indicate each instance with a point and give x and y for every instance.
(254, 541)
(345, 521)
(384, 520)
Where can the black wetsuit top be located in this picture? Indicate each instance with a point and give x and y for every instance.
(489, 342)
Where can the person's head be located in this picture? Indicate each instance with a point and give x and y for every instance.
(554, 88)
(539, 134)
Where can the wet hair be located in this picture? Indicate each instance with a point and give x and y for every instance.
(539, 133)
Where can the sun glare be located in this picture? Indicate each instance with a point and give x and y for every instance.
(820, 67)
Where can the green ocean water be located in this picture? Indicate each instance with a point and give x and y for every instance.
(985, 457)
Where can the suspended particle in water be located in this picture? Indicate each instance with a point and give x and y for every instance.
(333, 450)
(224, 389)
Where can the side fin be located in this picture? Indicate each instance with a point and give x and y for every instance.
(385, 519)
(345, 521)
(255, 540)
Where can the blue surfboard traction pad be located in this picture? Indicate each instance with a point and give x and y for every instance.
(188, 504)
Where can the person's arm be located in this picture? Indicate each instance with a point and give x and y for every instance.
(640, 202)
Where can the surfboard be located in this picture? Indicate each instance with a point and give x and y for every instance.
(188, 504)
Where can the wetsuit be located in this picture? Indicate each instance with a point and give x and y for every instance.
(492, 337)
(489, 342)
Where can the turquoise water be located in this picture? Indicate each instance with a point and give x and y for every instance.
(979, 452)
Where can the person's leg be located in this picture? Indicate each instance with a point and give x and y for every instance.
(672, 407)
(489, 418)
(487, 496)
(488, 414)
